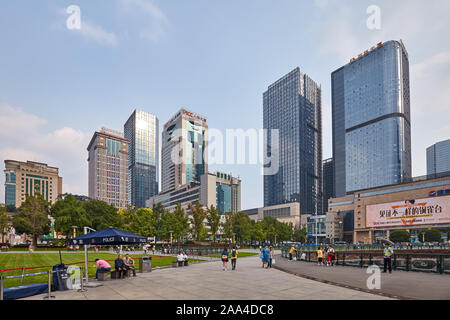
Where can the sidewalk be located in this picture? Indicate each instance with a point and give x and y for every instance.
(399, 284)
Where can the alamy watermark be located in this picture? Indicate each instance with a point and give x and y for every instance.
(374, 20)
(374, 280)
(73, 22)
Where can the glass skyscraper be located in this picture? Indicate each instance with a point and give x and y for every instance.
(142, 131)
(371, 119)
(328, 189)
(293, 106)
(438, 158)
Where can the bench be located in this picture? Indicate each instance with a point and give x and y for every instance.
(176, 264)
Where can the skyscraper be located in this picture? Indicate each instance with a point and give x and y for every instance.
(184, 150)
(142, 131)
(108, 169)
(293, 106)
(438, 158)
(328, 188)
(371, 119)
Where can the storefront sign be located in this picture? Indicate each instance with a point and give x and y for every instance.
(408, 213)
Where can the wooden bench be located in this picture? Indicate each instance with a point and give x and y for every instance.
(113, 274)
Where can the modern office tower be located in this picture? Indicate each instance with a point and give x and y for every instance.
(328, 188)
(371, 119)
(142, 132)
(438, 158)
(30, 178)
(108, 168)
(184, 150)
(293, 106)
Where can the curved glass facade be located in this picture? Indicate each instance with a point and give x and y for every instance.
(371, 120)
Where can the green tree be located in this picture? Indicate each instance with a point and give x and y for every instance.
(400, 236)
(213, 218)
(69, 212)
(4, 222)
(158, 212)
(242, 227)
(32, 217)
(142, 222)
(271, 226)
(228, 225)
(300, 235)
(197, 220)
(258, 233)
(181, 227)
(102, 215)
(431, 235)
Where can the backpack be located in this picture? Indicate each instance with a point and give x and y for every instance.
(233, 253)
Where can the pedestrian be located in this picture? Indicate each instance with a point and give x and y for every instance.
(234, 255)
(319, 257)
(325, 255)
(271, 257)
(291, 252)
(225, 259)
(145, 249)
(265, 252)
(331, 254)
(388, 253)
(261, 256)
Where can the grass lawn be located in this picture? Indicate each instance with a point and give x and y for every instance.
(240, 255)
(48, 259)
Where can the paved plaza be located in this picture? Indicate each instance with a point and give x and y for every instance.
(207, 281)
(399, 284)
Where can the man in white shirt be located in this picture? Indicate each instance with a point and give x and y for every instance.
(180, 259)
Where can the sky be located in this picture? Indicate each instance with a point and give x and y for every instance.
(216, 58)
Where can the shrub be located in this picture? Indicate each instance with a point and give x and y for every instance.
(400, 236)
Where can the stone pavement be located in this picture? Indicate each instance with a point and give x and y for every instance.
(399, 284)
(207, 281)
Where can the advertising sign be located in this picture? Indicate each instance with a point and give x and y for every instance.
(409, 213)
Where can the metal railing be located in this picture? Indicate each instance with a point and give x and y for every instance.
(376, 246)
(419, 262)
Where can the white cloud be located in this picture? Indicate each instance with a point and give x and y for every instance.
(152, 17)
(97, 34)
(23, 137)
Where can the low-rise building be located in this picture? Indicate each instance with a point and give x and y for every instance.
(287, 213)
(421, 203)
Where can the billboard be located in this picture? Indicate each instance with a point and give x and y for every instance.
(409, 213)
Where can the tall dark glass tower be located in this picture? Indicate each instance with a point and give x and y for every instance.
(328, 188)
(371, 119)
(142, 131)
(293, 106)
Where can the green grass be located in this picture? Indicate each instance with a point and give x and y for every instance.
(240, 255)
(48, 259)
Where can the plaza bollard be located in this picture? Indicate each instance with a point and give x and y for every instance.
(83, 289)
(1, 288)
(49, 296)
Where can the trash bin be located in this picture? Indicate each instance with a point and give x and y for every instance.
(61, 278)
(145, 264)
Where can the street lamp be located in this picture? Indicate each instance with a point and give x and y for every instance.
(234, 238)
(171, 240)
(74, 231)
(340, 230)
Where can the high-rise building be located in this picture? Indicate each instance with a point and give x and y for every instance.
(184, 150)
(328, 188)
(30, 178)
(371, 119)
(108, 168)
(142, 132)
(438, 158)
(293, 106)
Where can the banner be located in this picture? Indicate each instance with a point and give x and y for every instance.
(409, 213)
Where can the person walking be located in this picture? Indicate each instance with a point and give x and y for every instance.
(325, 255)
(225, 259)
(388, 253)
(271, 257)
(265, 252)
(319, 257)
(234, 255)
(291, 252)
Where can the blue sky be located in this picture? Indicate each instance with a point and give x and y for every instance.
(216, 58)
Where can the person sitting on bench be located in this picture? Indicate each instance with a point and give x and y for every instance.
(102, 266)
(120, 266)
(129, 264)
(180, 259)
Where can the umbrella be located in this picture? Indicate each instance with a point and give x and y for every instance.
(108, 236)
(388, 241)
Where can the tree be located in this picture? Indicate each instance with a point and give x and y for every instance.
(142, 222)
(228, 225)
(158, 212)
(300, 235)
(400, 236)
(258, 233)
(242, 226)
(32, 217)
(198, 217)
(181, 228)
(102, 215)
(4, 222)
(432, 235)
(213, 218)
(69, 212)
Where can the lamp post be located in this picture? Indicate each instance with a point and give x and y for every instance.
(171, 240)
(234, 238)
(340, 230)
(86, 273)
(74, 231)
